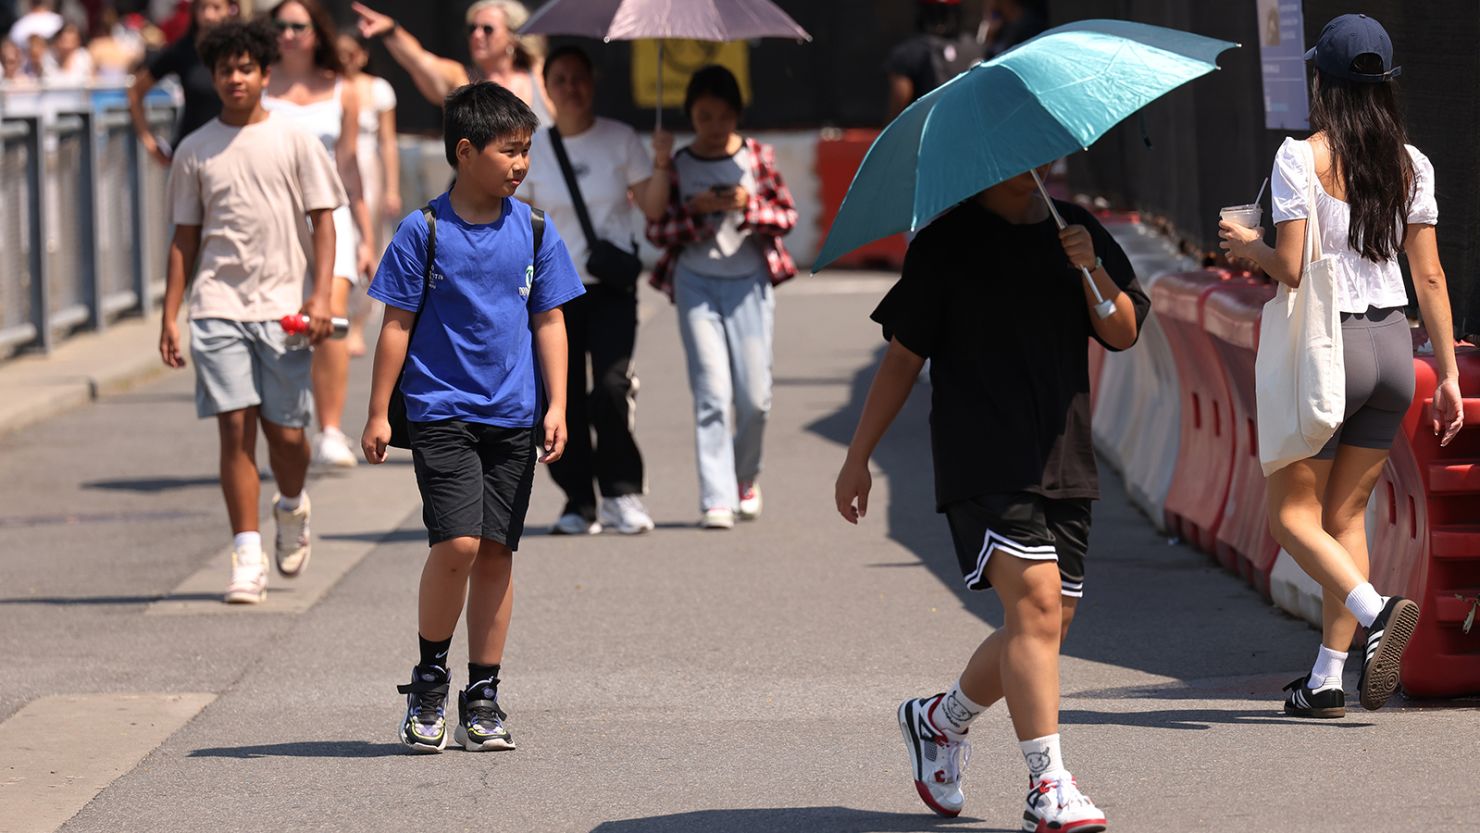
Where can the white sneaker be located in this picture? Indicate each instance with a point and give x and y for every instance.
(572, 523)
(248, 578)
(750, 501)
(332, 450)
(625, 514)
(718, 517)
(1056, 804)
(292, 547)
(936, 761)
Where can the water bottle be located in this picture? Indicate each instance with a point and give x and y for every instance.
(296, 328)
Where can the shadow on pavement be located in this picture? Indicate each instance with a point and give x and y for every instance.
(1198, 719)
(305, 749)
(1166, 610)
(70, 601)
(154, 485)
(799, 819)
(394, 536)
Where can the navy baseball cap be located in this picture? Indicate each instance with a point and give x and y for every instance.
(1347, 37)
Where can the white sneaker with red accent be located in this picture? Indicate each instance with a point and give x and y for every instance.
(248, 578)
(1055, 805)
(750, 501)
(936, 761)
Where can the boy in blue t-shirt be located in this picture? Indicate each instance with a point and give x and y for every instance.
(489, 316)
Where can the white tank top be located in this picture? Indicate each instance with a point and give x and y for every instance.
(323, 119)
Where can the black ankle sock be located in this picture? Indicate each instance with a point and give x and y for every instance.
(483, 673)
(434, 654)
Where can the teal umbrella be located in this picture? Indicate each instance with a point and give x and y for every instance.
(1049, 97)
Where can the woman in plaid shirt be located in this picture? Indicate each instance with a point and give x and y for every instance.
(727, 211)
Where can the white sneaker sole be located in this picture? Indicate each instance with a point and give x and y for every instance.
(246, 597)
(421, 748)
(460, 735)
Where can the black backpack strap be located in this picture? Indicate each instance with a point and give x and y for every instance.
(574, 187)
(430, 215)
(537, 225)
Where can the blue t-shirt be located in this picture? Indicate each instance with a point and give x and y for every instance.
(472, 355)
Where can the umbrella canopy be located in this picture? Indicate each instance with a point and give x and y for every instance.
(709, 20)
(1049, 97)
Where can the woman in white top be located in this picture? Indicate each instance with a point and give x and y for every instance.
(498, 54)
(615, 177)
(307, 87)
(1374, 198)
(380, 166)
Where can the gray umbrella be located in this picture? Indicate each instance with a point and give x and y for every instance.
(709, 20)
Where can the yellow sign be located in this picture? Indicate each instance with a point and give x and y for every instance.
(681, 59)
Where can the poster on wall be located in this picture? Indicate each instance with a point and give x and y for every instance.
(1282, 63)
(681, 59)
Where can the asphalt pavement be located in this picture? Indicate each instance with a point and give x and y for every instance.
(677, 681)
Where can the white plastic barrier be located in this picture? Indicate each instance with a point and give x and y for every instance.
(1138, 409)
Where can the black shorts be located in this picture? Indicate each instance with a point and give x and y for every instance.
(1023, 525)
(474, 479)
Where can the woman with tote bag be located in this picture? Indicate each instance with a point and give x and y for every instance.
(1333, 391)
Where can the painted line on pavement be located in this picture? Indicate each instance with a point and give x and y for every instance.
(57, 753)
(807, 285)
(351, 513)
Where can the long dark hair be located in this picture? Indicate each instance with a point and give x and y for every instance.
(1363, 123)
(325, 51)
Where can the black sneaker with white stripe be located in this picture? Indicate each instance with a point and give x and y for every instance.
(1386, 640)
(480, 721)
(1324, 702)
(424, 729)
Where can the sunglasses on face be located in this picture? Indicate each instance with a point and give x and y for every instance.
(290, 26)
(486, 29)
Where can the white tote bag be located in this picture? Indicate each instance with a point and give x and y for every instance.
(1299, 372)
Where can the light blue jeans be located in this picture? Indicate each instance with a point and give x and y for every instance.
(727, 326)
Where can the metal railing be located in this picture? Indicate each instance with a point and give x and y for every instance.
(83, 220)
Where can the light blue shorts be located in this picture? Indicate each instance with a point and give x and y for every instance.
(245, 364)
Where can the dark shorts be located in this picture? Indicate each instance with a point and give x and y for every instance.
(1022, 525)
(474, 479)
(1378, 352)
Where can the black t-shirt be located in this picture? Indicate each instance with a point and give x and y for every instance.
(201, 102)
(929, 60)
(1002, 318)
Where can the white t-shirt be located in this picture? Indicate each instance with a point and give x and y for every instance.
(729, 252)
(1360, 282)
(608, 158)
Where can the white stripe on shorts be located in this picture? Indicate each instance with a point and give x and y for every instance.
(992, 542)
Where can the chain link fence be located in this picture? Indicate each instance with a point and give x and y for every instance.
(83, 220)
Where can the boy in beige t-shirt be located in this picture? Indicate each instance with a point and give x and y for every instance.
(243, 189)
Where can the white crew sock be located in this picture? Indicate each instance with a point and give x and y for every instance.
(247, 542)
(1365, 604)
(953, 712)
(290, 503)
(1043, 756)
(1326, 673)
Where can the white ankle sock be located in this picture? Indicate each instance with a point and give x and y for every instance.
(953, 713)
(1365, 604)
(247, 542)
(1043, 756)
(1326, 673)
(290, 503)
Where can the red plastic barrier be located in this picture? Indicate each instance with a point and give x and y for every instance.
(1426, 540)
(1194, 506)
(838, 156)
(1244, 545)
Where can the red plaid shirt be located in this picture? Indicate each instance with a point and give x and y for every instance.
(769, 214)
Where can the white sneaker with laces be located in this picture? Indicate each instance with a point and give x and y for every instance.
(1055, 805)
(248, 578)
(625, 514)
(750, 501)
(572, 523)
(718, 517)
(332, 450)
(936, 761)
(292, 546)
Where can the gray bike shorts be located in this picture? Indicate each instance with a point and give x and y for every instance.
(1379, 379)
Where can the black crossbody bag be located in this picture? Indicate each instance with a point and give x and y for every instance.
(396, 411)
(609, 263)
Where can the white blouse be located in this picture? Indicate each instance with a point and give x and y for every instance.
(1360, 282)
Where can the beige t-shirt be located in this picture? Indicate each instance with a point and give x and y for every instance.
(250, 190)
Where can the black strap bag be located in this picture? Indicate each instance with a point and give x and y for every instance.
(609, 263)
(396, 411)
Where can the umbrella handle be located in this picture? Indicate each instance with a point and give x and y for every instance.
(660, 86)
(1103, 308)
